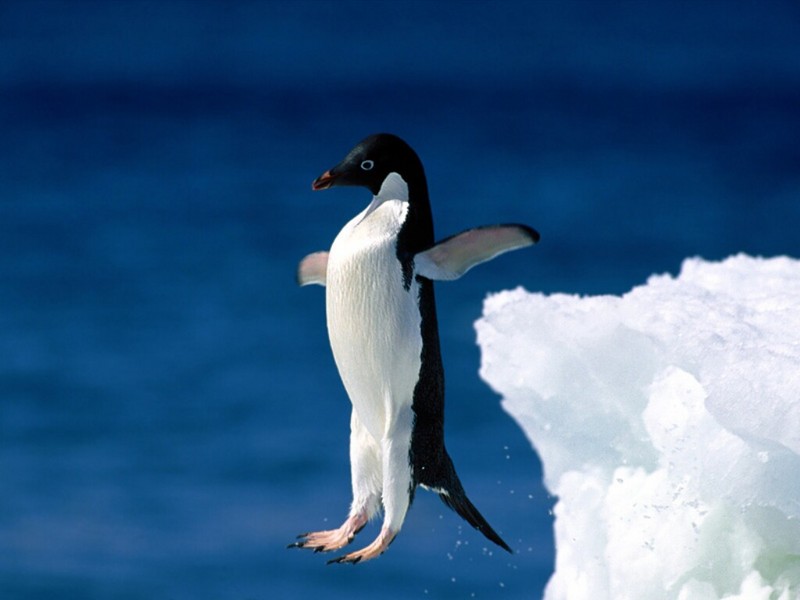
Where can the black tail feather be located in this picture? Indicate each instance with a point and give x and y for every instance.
(453, 495)
(462, 505)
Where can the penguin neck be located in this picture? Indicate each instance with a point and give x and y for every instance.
(394, 187)
(417, 230)
(418, 223)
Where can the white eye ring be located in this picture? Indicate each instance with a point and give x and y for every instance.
(367, 165)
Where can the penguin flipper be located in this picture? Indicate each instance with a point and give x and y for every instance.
(457, 254)
(313, 269)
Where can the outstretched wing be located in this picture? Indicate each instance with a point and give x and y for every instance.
(313, 269)
(454, 256)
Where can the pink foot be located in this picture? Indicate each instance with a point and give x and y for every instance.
(374, 550)
(333, 539)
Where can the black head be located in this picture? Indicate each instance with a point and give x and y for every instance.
(372, 159)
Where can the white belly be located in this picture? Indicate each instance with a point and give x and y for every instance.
(373, 321)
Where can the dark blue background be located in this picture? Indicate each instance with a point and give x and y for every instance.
(170, 416)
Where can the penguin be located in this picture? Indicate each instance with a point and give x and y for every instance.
(383, 331)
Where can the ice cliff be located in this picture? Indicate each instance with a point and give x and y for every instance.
(668, 424)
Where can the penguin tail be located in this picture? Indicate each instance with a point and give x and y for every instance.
(454, 496)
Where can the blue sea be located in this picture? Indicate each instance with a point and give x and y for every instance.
(170, 414)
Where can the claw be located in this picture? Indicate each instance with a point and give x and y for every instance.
(374, 550)
(332, 539)
(344, 559)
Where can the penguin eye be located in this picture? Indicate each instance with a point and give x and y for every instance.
(367, 165)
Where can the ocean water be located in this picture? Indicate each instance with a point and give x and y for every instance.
(170, 415)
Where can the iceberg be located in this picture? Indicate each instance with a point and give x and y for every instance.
(668, 424)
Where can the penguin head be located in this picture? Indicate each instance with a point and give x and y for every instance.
(371, 161)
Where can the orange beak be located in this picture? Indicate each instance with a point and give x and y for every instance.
(324, 181)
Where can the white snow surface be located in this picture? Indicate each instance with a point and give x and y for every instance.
(668, 424)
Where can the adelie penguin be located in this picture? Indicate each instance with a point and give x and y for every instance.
(381, 318)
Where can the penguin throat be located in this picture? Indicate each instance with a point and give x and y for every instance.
(394, 187)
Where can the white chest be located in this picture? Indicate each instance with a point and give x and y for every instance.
(373, 321)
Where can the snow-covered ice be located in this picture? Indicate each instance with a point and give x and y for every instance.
(668, 424)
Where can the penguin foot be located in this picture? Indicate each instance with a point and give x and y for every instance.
(332, 539)
(374, 550)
